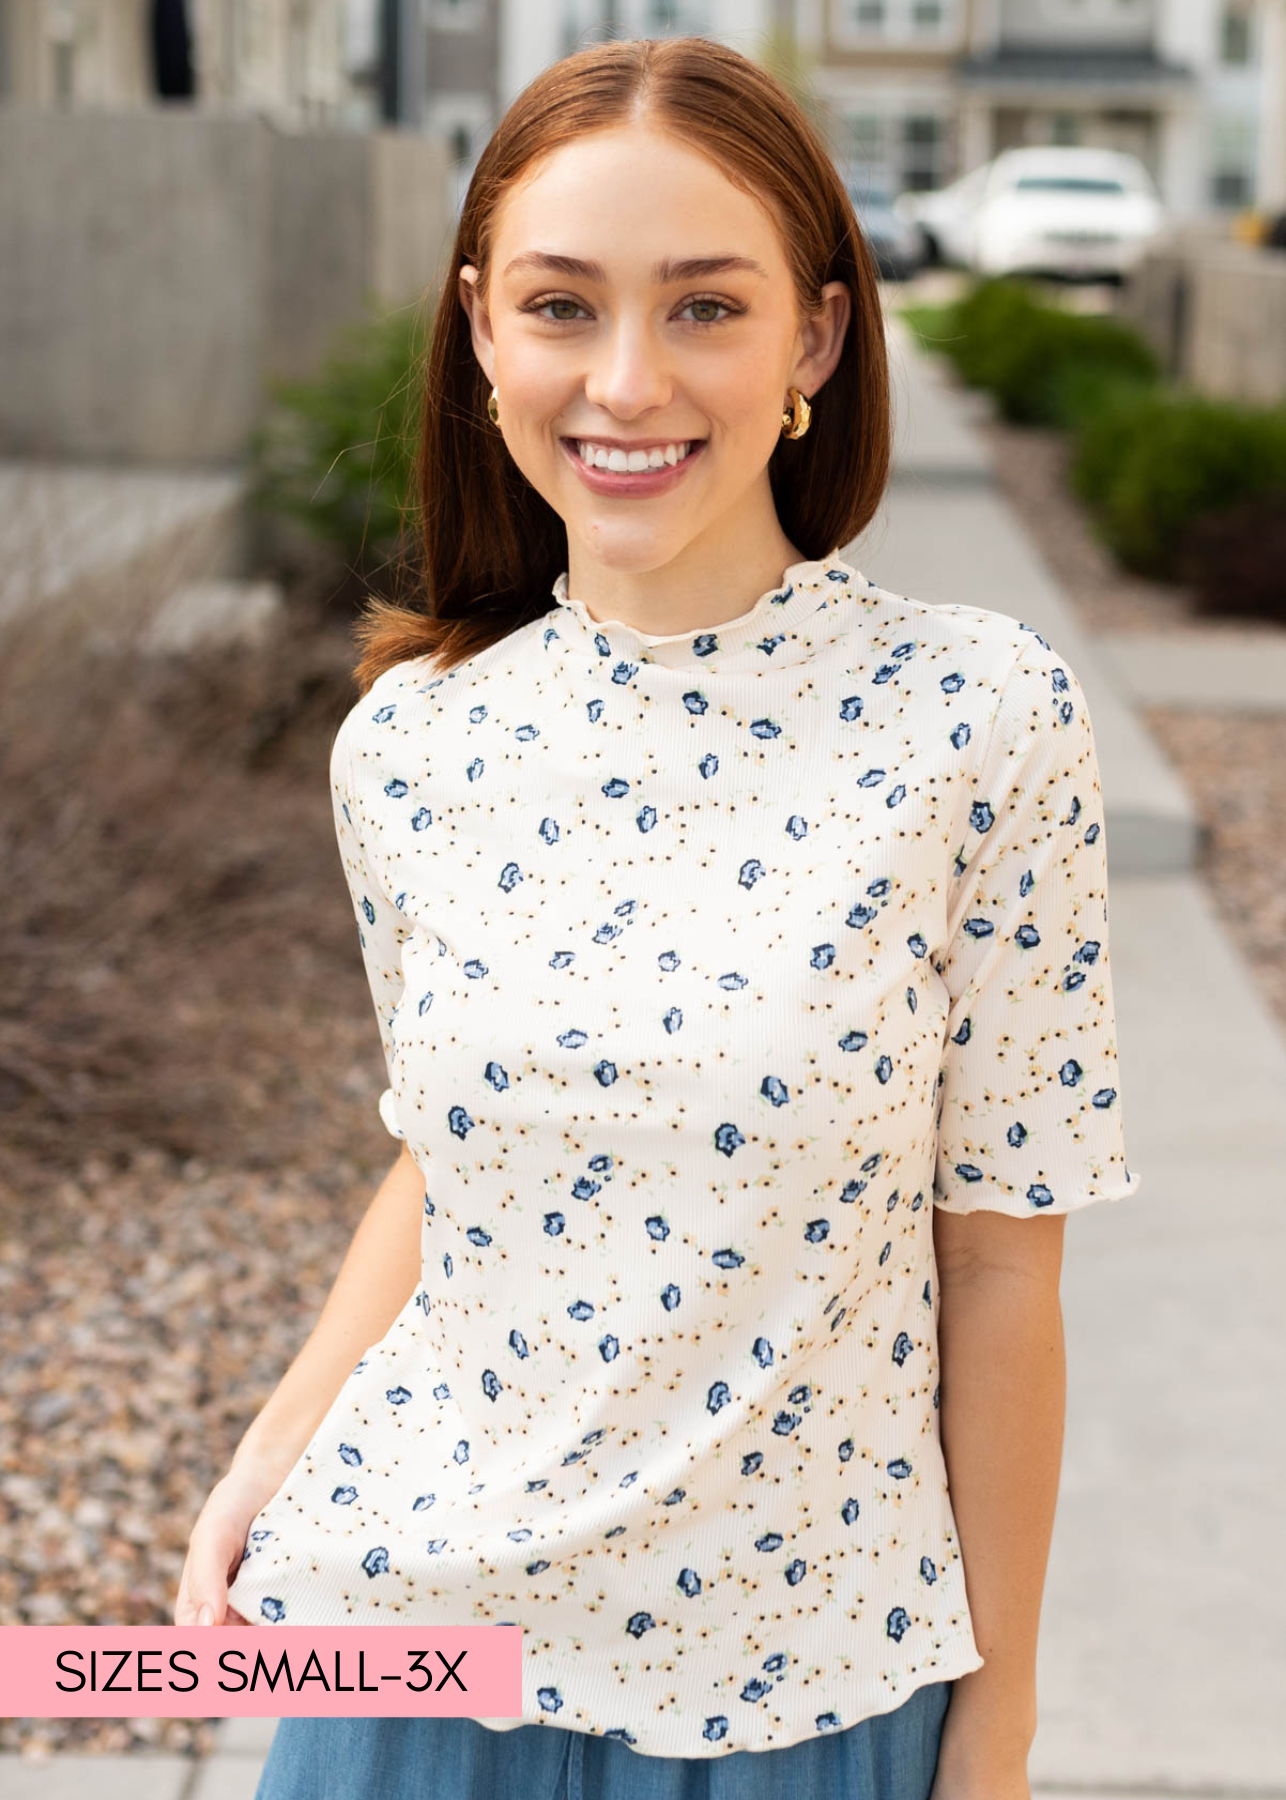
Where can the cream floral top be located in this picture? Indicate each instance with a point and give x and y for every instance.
(706, 965)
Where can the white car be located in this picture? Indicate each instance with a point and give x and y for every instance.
(1044, 209)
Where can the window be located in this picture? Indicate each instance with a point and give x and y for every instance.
(1069, 184)
(1232, 161)
(1234, 36)
(865, 134)
(455, 15)
(677, 18)
(894, 21)
(1231, 187)
(923, 141)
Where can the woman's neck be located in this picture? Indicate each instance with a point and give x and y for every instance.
(710, 582)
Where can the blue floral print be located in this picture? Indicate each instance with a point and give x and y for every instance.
(705, 966)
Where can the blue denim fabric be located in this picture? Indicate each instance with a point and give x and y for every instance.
(892, 1756)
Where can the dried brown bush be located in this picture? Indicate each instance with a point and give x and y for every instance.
(178, 957)
(1235, 559)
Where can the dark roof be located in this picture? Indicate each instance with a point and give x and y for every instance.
(1060, 64)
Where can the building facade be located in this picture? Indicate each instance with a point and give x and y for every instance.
(462, 62)
(300, 62)
(922, 91)
(916, 92)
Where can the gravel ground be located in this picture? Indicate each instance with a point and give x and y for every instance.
(1233, 767)
(145, 1315)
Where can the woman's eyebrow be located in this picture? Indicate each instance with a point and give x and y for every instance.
(688, 268)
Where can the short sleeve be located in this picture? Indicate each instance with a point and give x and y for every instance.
(1029, 1105)
(381, 928)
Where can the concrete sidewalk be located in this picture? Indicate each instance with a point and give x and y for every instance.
(1163, 1643)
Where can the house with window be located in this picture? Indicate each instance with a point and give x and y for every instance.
(921, 91)
(887, 71)
(472, 57)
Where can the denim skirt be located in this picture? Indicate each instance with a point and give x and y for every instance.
(891, 1756)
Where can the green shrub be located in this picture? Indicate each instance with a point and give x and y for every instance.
(1031, 357)
(1081, 392)
(336, 451)
(1104, 433)
(1043, 365)
(983, 325)
(1150, 458)
(1047, 353)
(932, 325)
(1172, 457)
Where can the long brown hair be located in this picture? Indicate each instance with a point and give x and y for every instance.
(489, 546)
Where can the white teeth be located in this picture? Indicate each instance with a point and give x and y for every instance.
(598, 456)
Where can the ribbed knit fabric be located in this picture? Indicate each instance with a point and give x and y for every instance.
(705, 965)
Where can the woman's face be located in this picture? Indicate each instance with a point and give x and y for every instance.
(613, 344)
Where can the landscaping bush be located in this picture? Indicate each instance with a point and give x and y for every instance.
(1079, 392)
(1033, 357)
(1043, 365)
(984, 321)
(1164, 458)
(931, 324)
(1183, 486)
(336, 452)
(1105, 427)
(1059, 355)
(1234, 560)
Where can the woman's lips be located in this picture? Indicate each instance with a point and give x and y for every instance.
(629, 482)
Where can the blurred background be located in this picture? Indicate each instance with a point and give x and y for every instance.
(223, 228)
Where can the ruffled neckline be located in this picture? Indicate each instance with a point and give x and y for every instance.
(777, 629)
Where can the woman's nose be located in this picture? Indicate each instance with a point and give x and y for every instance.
(628, 375)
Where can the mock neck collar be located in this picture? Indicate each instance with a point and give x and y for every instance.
(781, 627)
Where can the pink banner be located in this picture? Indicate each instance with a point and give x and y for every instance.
(218, 1672)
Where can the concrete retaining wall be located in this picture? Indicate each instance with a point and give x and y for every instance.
(157, 267)
(1216, 315)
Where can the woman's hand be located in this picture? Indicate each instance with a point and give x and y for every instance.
(980, 1756)
(1004, 1782)
(972, 1768)
(217, 1543)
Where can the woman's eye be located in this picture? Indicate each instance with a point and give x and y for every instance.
(709, 301)
(709, 310)
(560, 319)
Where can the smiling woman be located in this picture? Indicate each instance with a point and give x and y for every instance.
(730, 921)
(655, 250)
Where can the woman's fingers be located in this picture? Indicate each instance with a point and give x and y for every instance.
(217, 1547)
(214, 1551)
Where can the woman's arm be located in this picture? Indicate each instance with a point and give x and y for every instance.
(375, 1281)
(1001, 1411)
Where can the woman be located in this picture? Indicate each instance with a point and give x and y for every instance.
(737, 934)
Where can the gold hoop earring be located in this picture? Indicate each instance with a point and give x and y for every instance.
(493, 407)
(795, 418)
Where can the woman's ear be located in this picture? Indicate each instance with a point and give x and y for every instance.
(822, 337)
(479, 320)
